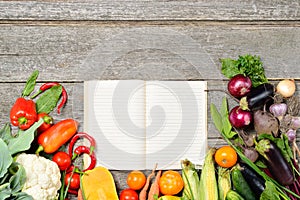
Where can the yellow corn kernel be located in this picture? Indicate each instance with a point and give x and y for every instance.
(208, 182)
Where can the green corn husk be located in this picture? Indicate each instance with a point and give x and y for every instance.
(191, 181)
(208, 182)
(224, 182)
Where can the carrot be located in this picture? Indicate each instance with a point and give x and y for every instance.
(80, 197)
(143, 192)
(154, 189)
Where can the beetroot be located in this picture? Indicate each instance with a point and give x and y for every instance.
(239, 85)
(240, 118)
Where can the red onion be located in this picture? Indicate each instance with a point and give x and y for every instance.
(240, 118)
(239, 85)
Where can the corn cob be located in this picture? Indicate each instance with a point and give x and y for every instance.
(208, 182)
(191, 181)
(224, 182)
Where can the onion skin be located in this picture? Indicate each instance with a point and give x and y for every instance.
(286, 87)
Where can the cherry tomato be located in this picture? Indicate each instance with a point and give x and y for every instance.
(226, 156)
(129, 194)
(74, 179)
(170, 183)
(48, 122)
(136, 180)
(62, 159)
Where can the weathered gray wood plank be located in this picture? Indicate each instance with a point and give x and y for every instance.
(151, 52)
(150, 10)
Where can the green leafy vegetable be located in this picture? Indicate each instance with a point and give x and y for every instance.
(17, 181)
(48, 100)
(248, 65)
(5, 191)
(221, 120)
(5, 133)
(5, 158)
(270, 192)
(23, 140)
(29, 87)
(22, 196)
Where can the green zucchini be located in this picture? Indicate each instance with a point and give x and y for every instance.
(240, 184)
(233, 195)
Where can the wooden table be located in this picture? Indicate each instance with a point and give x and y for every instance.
(74, 41)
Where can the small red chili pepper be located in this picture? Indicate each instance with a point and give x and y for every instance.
(78, 136)
(48, 122)
(71, 191)
(23, 113)
(85, 150)
(64, 94)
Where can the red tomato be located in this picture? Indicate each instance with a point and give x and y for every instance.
(62, 159)
(48, 122)
(74, 180)
(129, 194)
(136, 180)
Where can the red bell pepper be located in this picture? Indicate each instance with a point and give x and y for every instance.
(23, 113)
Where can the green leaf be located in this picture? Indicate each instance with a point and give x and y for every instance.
(229, 67)
(227, 127)
(287, 146)
(29, 87)
(216, 117)
(5, 191)
(22, 196)
(48, 100)
(5, 133)
(248, 65)
(270, 192)
(5, 158)
(260, 164)
(18, 180)
(24, 139)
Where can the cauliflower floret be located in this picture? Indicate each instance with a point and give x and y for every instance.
(42, 176)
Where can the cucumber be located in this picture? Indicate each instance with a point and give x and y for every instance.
(240, 184)
(233, 195)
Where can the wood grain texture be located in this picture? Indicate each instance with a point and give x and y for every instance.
(151, 52)
(75, 40)
(150, 10)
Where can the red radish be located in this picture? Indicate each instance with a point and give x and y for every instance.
(239, 85)
(240, 118)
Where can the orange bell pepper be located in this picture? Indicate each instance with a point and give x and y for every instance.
(57, 135)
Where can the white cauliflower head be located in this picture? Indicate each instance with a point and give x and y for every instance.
(42, 176)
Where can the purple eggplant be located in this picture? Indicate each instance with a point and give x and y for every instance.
(255, 181)
(257, 97)
(276, 163)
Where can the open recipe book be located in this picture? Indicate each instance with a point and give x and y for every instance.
(138, 124)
